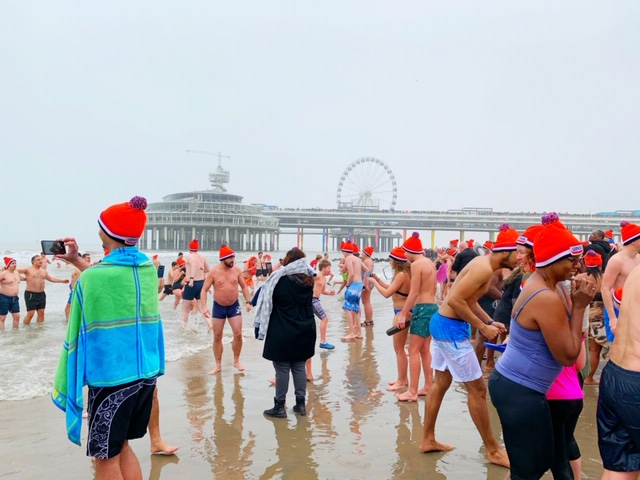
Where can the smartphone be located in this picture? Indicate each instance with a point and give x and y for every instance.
(53, 247)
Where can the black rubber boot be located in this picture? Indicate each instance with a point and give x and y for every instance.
(277, 411)
(299, 407)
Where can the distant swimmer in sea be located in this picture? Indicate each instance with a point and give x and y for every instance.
(34, 296)
(72, 283)
(9, 288)
(618, 269)
(398, 290)
(453, 355)
(422, 302)
(196, 267)
(226, 278)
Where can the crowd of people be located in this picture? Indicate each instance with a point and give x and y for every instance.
(547, 305)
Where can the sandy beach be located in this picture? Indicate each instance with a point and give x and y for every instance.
(354, 429)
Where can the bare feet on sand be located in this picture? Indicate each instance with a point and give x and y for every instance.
(161, 448)
(348, 338)
(238, 365)
(499, 457)
(433, 446)
(591, 381)
(423, 392)
(397, 386)
(218, 369)
(406, 397)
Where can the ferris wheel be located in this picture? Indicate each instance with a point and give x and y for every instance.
(367, 184)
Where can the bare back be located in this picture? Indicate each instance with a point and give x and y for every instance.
(197, 266)
(353, 266)
(625, 351)
(425, 271)
(471, 284)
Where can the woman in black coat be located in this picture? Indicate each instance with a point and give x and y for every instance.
(291, 332)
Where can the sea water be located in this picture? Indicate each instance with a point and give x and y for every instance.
(29, 355)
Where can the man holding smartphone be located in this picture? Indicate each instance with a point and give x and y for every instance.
(114, 344)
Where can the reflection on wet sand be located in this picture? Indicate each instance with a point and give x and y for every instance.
(294, 450)
(232, 446)
(158, 462)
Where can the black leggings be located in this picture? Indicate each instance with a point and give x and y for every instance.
(526, 427)
(564, 415)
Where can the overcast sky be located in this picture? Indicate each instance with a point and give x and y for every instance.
(519, 106)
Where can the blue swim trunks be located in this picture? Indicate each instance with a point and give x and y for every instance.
(447, 329)
(352, 297)
(191, 293)
(610, 335)
(222, 312)
(9, 304)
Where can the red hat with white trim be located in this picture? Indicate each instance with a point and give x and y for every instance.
(488, 245)
(506, 240)
(592, 259)
(529, 235)
(608, 234)
(8, 261)
(368, 251)
(470, 242)
(346, 247)
(398, 254)
(630, 232)
(554, 242)
(194, 245)
(124, 222)
(454, 242)
(413, 244)
(226, 252)
(355, 248)
(617, 296)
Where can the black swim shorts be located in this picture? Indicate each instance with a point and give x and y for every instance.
(619, 419)
(35, 300)
(117, 414)
(190, 293)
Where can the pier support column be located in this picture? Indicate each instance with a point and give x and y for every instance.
(433, 239)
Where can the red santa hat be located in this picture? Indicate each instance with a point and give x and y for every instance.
(506, 240)
(488, 245)
(529, 235)
(630, 232)
(226, 252)
(346, 247)
(554, 242)
(355, 248)
(368, 251)
(8, 261)
(413, 244)
(592, 259)
(194, 245)
(124, 222)
(454, 242)
(398, 254)
(617, 296)
(470, 242)
(608, 234)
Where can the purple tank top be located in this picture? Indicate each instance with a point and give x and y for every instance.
(527, 359)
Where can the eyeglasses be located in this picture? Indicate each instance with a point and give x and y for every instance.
(575, 259)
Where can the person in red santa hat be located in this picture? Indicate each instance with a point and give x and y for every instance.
(545, 335)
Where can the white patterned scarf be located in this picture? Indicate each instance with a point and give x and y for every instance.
(264, 305)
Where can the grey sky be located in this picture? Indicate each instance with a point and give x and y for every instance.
(520, 106)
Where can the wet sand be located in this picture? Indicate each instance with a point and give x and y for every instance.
(354, 428)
